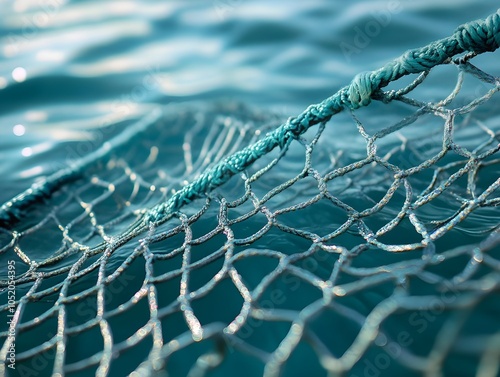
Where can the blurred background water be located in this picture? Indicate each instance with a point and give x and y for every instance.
(70, 69)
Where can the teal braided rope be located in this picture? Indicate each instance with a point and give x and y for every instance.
(15, 209)
(476, 36)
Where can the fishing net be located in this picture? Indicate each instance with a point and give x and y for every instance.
(364, 244)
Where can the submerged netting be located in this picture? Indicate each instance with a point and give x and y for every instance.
(366, 245)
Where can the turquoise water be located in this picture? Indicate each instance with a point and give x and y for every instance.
(73, 74)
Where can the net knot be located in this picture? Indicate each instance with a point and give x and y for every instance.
(292, 129)
(481, 35)
(361, 89)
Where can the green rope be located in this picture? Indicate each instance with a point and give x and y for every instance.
(476, 36)
(14, 210)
